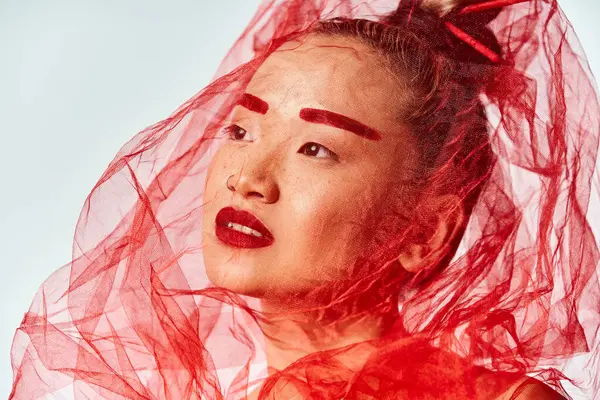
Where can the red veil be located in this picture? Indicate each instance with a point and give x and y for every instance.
(134, 315)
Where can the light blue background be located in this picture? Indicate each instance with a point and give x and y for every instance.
(77, 80)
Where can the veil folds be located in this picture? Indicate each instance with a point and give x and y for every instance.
(134, 315)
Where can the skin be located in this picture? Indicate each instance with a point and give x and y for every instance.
(311, 204)
(311, 201)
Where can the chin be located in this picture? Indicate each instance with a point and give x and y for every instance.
(234, 277)
(231, 272)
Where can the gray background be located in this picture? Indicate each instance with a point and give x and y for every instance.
(77, 80)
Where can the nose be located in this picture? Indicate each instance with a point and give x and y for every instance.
(255, 179)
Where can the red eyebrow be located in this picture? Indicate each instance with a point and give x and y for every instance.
(315, 116)
(253, 103)
(338, 121)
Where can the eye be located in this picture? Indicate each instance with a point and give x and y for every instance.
(316, 150)
(235, 132)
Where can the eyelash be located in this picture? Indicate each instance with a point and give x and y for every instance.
(232, 130)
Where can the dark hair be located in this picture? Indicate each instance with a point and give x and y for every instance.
(442, 79)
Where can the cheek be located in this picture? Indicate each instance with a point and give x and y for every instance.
(332, 217)
(215, 175)
(212, 197)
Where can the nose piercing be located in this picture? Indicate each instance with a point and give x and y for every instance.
(229, 186)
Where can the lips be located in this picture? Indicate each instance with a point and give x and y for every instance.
(240, 239)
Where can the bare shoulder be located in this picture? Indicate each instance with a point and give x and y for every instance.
(530, 389)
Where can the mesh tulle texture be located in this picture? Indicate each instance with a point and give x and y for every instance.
(511, 128)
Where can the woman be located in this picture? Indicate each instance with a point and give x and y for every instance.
(380, 201)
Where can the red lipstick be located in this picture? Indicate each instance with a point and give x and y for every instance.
(231, 227)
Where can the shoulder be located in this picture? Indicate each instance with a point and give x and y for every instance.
(530, 389)
(511, 386)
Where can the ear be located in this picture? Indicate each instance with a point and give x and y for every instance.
(447, 215)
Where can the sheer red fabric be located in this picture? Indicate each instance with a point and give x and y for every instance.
(503, 113)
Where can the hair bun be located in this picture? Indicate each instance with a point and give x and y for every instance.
(445, 8)
(426, 19)
(440, 7)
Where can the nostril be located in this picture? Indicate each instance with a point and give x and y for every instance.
(229, 184)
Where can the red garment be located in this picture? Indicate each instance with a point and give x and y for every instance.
(135, 315)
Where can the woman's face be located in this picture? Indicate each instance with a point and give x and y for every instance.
(317, 154)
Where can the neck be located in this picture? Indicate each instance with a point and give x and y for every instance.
(291, 335)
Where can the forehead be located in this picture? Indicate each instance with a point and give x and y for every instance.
(335, 73)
